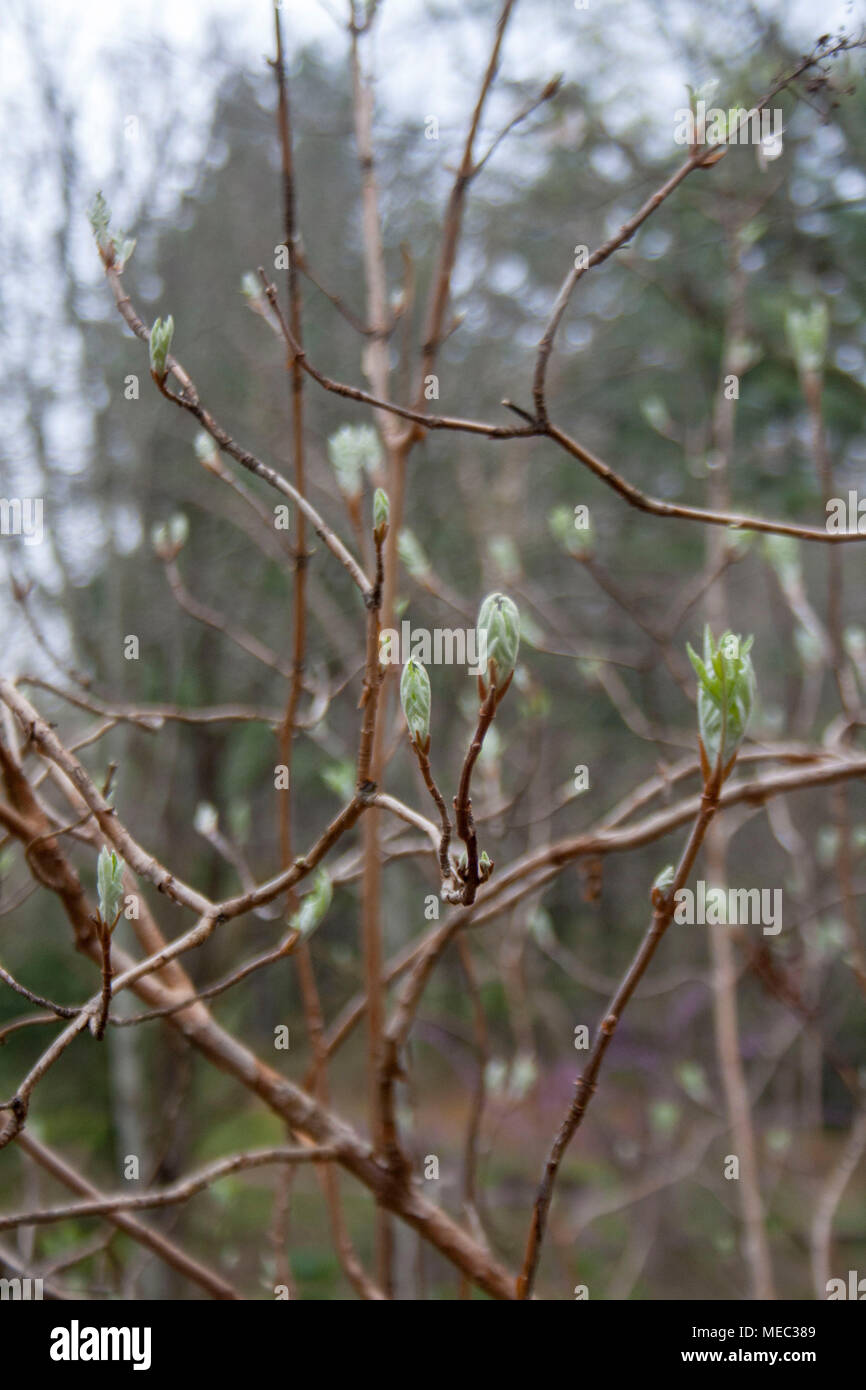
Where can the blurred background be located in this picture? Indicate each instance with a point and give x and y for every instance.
(170, 111)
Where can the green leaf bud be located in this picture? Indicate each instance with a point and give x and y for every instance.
(498, 640)
(313, 906)
(352, 450)
(726, 695)
(161, 335)
(109, 884)
(415, 699)
(381, 513)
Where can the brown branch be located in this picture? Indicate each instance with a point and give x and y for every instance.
(631, 494)
(829, 1197)
(189, 400)
(150, 718)
(430, 422)
(700, 157)
(213, 991)
(586, 1083)
(644, 503)
(208, 617)
(446, 870)
(452, 223)
(373, 673)
(101, 1019)
(165, 1249)
(303, 1113)
(144, 864)
(548, 92)
(339, 304)
(58, 1010)
(167, 1196)
(465, 824)
(376, 364)
(306, 974)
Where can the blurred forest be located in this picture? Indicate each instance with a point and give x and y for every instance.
(737, 1042)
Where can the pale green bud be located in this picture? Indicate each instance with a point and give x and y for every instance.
(352, 450)
(415, 697)
(495, 1076)
(205, 448)
(499, 626)
(170, 537)
(251, 286)
(313, 906)
(381, 513)
(524, 1074)
(655, 412)
(160, 341)
(662, 882)
(109, 884)
(206, 818)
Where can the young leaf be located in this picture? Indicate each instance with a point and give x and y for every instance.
(109, 884)
(99, 217)
(726, 695)
(415, 698)
(123, 249)
(161, 335)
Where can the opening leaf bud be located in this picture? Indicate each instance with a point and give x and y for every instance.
(726, 695)
(498, 641)
(415, 699)
(314, 905)
(161, 335)
(109, 884)
(381, 513)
